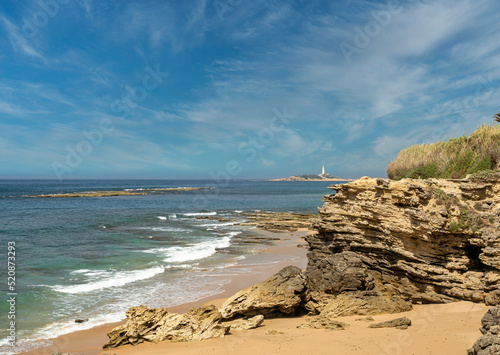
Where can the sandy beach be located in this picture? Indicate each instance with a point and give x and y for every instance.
(438, 329)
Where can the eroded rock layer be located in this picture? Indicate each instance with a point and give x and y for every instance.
(407, 241)
(489, 343)
(280, 295)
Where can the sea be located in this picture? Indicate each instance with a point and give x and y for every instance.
(95, 257)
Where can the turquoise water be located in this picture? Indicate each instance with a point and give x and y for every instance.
(96, 257)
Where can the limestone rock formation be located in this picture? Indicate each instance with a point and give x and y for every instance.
(399, 323)
(245, 324)
(489, 343)
(357, 303)
(407, 241)
(157, 324)
(282, 294)
(280, 221)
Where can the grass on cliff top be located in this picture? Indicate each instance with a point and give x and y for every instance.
(453, 159)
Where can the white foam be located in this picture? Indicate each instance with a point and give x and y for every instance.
(81, 271)
(57, 329)
(167, 229)
(200, 214)
(179, 266)
(233, 234)
(162, 218)
(215, 225)
(109, 279)
(193, 252)
(237, 211)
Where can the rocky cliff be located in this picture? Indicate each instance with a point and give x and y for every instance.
(489, 343)
(407, 241)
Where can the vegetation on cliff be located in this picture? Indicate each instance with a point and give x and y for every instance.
(453, 159)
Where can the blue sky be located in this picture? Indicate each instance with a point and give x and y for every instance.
(253, 89)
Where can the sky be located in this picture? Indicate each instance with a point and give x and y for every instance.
(209, 89)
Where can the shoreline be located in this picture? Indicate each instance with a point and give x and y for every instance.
(259, 266)
(316, 180)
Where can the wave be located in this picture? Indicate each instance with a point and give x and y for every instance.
(80, 271)
(165, 229)
(216, 225)
(234, 234)
(193, 252)
(54, 330)
(170, 216)
(200, 214)
(109, 279)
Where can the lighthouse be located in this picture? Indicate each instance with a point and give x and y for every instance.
(323, 171)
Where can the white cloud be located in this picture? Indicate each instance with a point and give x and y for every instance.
(12, 109)
(267, 162)
(18, 41)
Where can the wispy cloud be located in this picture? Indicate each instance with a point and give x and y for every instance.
(11, 109)
(18, 42)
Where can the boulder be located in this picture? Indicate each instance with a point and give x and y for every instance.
(245, 324)
(489, 343)
(490, 320)
(398, 323)
(364, 303)
(81, 320)
(156, 325)
(280, 295)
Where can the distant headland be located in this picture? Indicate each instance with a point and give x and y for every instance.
(313, 177)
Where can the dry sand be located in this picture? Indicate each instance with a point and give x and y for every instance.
(444, 329)
(437, 329)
